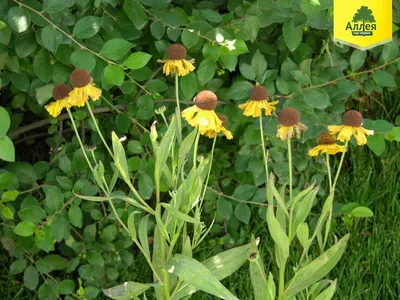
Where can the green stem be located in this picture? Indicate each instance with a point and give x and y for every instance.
(282, 279)
(328, 222)
(178, 109)
(166, 284)
(196, 145)
(263, 148)
(98, 129)
(209, 170)
(147, 259)
(340, 165)
(79, 139)
(329, 172)
(116, 215)
(290, 187)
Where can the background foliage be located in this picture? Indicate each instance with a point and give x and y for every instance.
(55, 238)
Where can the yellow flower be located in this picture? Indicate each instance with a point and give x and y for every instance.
(289, 124)
(176, 62)
(61, 97)
(258, 101)
(83, 88)
(203, 117)
(352, 122)
(211, 134)
(326, 144)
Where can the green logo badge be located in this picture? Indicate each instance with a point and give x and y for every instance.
(363, 22)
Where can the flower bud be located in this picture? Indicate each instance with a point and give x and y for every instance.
(176, 51)
(206, 100)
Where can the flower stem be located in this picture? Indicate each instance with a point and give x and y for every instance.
(209, 170)
(263, 149)
(79, 139)
(178, 109)
(290, 169)
(340, 165)
(98, 129)
(282, 279)
(196, 145)
(329, 172)
(328, 222)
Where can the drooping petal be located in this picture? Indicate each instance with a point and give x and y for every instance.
(188, 113)
(333, 149)
(335, 128)
(55, 107)
(227, 133)
(180, 66)
(284, 132)
(78, 97)
(360, 135)
(345, 133)
(315, 151)
(93, 92)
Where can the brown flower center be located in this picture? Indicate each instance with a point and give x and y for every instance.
(80, 78)
(223, 119)
(258, 93)
(288, 117)
(176, 51)
(326, 138)
(352, 118)
(206, 100)
(61, 91)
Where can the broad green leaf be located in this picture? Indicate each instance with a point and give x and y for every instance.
(18, 266)
(357, 59)
(189, 38)
(66, 287)
(54, 197)
(87, 27)
(211, 51)
(240, 90)
(25, 228)
(362, 212)
(310, 7)
(75, 215)
(299, 76)
(243, 213)
(25, 44)
(384, 78)
(390, 50)
(115, 48)
(189, 85)
(7, 212)
(7, 151)
(228, 61)
(259, 64)
(317, 98)
(44, 93)
(205, 71)
(157, 29)
(95, 258)
(4, 122)
(137, 60)
(127, 290)
(145, 186)
(224, 207)
(317, 269)
(31, 278)
(82, 59)
(328, 293)
(180, 215)
(244, 192)
(156, 85)
(114, 75)
(221, 265)
(9, 195)
(251, 27)
(18, 18)
(376, 143)
(42, 66)
(196, 274)
(134, 10)
(51, 38)
(292, 34)
(54, 6)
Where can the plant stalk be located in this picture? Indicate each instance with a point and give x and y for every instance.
(178, 109)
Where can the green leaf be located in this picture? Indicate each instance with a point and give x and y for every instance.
(224, 207)
(384, 78)
(211, 15)
(119, 157)
(75, 215)
(143, 236)
(134, 147)
(278, 235)
(18, 266)
(21, 82)
(18, 18)
(82, 59)
(259, 64)
(311, 8)
(114, 75)
(137, 60)
(178, 214)
(115, 49)
(357, 59)
(157, 29)
(243, 213)
(95, 258)
(87, 27)
(196, 274)
(317, 98)
(145, 186)
(292, 34)
(7, 212)
(25, 44)
(210, 51)
(247, 71)
(189, 38)
(390, 50)
(25, 228)
(251, 27)
(44, 93)
(54, 6)
(10, 196)
(244, 192)
(42, 66)
(54, 197)
(66, 287)
(7, 179)
(127, 290)
(189, 85)
(240, 90)
(327, 294)
(7, 151)
(376, 143)
(205, 71)
(362, 212)
(156, 86)
(51, 38)
(317, 269)
(4, 122)
(31, 278)
(134, 10)
(229, 61)
(299, 76)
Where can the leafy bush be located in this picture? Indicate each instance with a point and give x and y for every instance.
(285, 46)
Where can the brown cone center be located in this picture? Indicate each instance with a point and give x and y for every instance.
(176, 51)
(61, 91)
(352, 118)
(80, 78)
(258, 93)
(223, 119)
(206, 100)
(288, 117)
(326, 138)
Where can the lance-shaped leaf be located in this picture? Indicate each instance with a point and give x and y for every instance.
(119, 157)
(328, 293)
(127, 290)
(317, 269)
